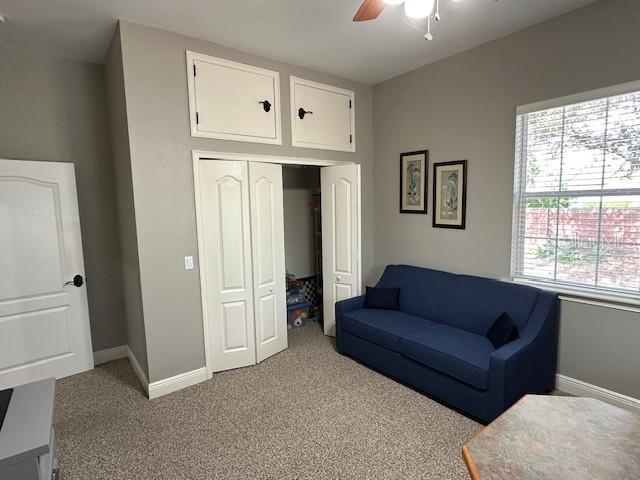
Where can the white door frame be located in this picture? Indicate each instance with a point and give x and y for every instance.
(204, 155)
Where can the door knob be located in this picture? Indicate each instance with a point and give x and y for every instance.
(302, 112)
(77, 281)
(337, 279)
(271, 289)
(266, 104)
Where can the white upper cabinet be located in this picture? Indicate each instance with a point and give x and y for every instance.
(233, 101)
(322, 116)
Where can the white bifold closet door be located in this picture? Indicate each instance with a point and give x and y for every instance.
(267, 235)
(228, 284)
(341, 275)
(241, 217)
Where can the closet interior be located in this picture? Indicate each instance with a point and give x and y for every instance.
(303, 244)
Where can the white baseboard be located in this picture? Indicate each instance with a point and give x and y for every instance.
(135, 364)
(178, 382)
(109, 354)
(584, 389)
(154, 389)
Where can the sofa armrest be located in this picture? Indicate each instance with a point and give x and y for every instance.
(527, 365)
(350, 304)
(342, 307)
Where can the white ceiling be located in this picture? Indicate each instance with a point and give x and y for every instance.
(317, 34)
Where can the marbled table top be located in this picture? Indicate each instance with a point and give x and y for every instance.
(563, 438)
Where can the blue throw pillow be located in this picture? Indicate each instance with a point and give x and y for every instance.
(382, 298)
(502, 331)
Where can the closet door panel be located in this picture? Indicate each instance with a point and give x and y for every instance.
(341, 277)
(234, 326)
(264, 248)
(268, 315)
(226, 262)
(232, 271)
(267, 229)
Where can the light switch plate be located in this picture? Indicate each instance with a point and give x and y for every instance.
(188, 263)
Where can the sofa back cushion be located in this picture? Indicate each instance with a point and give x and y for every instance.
(421, 290)
(462, 301)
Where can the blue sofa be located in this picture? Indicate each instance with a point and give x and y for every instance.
(436, 341)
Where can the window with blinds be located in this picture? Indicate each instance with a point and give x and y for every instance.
(577, 196)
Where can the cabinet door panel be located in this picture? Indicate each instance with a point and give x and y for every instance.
(327, 120)
(225, 100)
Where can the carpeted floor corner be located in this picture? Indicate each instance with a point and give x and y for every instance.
(306, 413)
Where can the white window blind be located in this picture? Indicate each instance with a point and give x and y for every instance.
(577, 196)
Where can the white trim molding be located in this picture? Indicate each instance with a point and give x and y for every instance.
(153, 389)
(252, 157)
(110, 354)
(598, 303)
(137, 369)
(177, 382)
(583, 389)
(575, 295)
(610, 91)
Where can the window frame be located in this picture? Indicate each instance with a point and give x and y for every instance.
(567, 289)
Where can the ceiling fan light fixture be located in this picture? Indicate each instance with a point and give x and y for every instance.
(418, 8)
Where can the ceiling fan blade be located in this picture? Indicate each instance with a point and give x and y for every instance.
(369, 10)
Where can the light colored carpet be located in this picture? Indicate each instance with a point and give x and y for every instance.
(307, 413)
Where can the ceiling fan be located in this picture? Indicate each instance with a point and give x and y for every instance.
(416, 9)
(370, 9)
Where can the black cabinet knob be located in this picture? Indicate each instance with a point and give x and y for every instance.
(302, 112)
(266, 104)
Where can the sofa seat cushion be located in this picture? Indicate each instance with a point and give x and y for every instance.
(382, 327)
(462, 355)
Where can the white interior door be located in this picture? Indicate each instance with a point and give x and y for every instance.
(340, 238)
(225, 257)
(267, 235)
(44, 324)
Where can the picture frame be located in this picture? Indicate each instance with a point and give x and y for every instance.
(450, 194)
(414, 181)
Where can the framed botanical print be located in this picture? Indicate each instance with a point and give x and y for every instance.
(413, 181)
(450, 194)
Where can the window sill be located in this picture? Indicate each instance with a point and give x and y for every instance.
(577, 295)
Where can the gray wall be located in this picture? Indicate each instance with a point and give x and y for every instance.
(601, 346)
(54, 110)
(157, 110)
(463, 107)
(130, 269)
(298, 232)
(295, 177)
